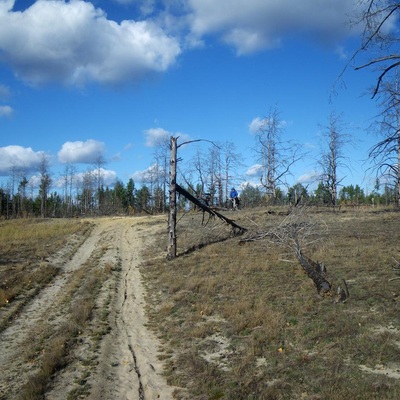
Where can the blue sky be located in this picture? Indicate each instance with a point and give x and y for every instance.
(83, 79)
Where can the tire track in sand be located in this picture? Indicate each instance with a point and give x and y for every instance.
(129, 368)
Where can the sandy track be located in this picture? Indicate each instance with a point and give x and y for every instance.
(129, 353)
(123, 363)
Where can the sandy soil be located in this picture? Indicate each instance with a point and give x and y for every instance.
(122, 363)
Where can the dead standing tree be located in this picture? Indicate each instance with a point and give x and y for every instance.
(380, 41)
(173, 189)
(332, 158)
(171, 251)
(276, 156)
(297, 232)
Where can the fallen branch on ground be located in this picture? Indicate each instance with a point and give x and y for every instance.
(299, 231)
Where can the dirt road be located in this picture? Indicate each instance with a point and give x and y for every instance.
(114, 356)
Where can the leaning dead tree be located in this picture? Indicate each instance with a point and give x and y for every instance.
(237, 228)
(174, 188)
(297, 232)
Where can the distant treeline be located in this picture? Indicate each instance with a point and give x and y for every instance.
(127, 200)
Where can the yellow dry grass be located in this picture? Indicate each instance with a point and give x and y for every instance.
(245, 322)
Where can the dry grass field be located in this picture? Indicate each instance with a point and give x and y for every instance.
(235, 319)
(245, 322)
(25, 248)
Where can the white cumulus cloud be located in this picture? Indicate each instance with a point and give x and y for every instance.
(140, 176)
(255, 170)
(18, 158)
(88, 152)
(74, 43)
(254, 25)
(309, 177)
(256, 124)
(155, 136)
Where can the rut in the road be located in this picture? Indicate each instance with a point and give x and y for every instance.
(137, 370)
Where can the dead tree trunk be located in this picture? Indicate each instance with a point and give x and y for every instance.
(171, 252)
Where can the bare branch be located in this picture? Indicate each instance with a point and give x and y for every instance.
(196, 140)
(382, 75)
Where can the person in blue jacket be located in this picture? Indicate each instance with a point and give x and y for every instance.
(234, 198)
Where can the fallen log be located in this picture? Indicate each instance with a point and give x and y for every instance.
(296, 232)
(316, 272)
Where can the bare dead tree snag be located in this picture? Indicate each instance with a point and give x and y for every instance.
(173, 188)
(276, 156)
(171, 251)
(332, 156)
(379, 41)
